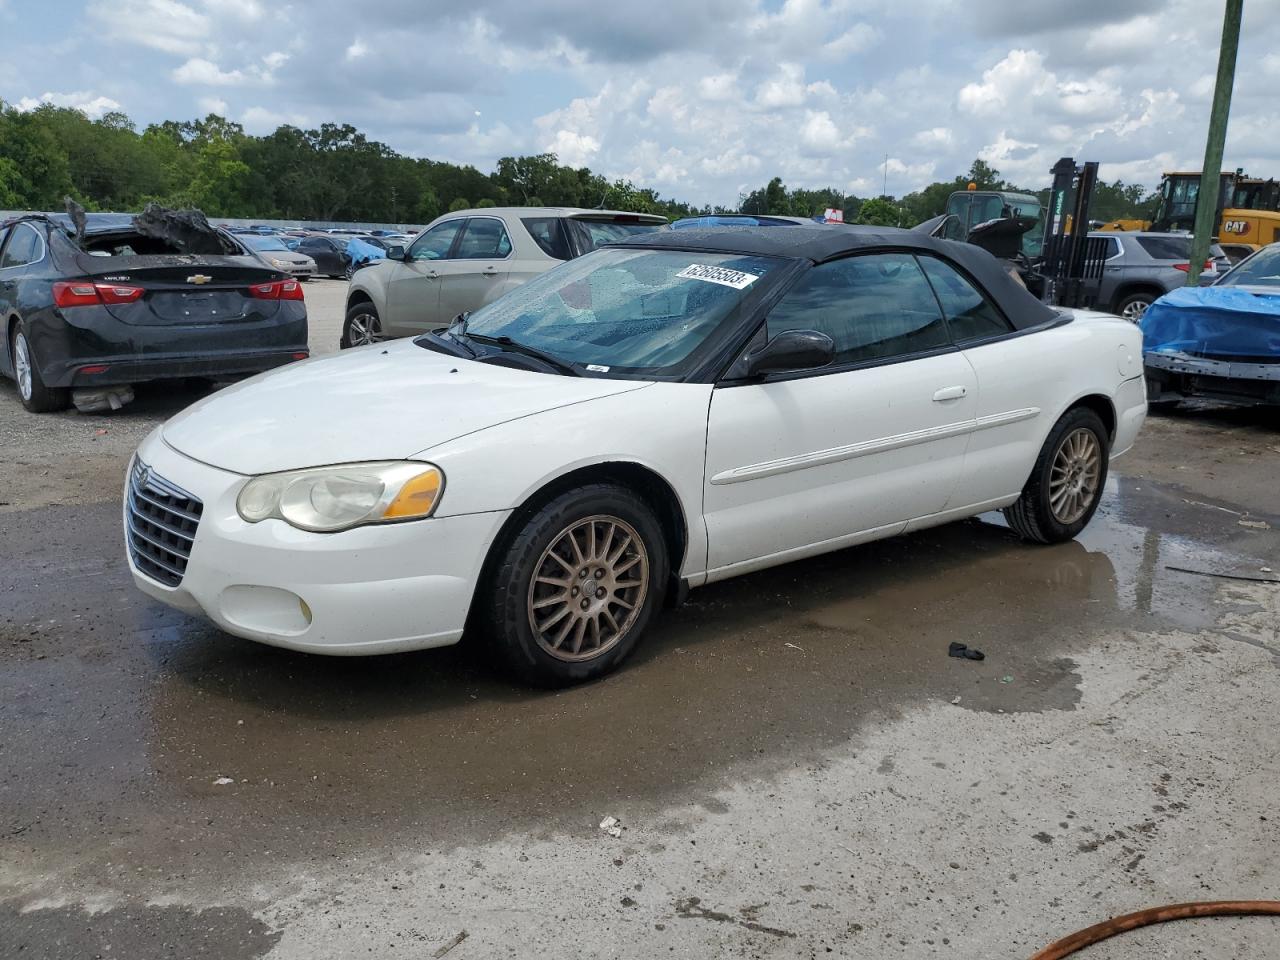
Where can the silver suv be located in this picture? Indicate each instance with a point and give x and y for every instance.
(1142, 267)
(468, 258)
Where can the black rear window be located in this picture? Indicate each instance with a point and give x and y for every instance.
(548, 234)
(1166, 248)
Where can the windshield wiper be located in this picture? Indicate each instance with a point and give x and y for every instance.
(513, 346)
(449, 345)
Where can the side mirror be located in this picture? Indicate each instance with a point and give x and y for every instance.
(792, 350)
(395, 253)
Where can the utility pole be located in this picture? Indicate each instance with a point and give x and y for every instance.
(884, 191)
(1211, 172)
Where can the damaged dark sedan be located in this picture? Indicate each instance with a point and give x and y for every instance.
(92, 304)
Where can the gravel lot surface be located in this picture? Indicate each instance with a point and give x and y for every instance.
(798, 767)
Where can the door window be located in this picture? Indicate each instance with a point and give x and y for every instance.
(548, 234)
(970, 315)
(23, 247)
(484, 239)
(435, 243)
(875, 307)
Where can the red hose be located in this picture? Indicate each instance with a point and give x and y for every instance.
(1144, 918)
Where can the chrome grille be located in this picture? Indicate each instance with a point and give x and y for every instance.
(160, 525)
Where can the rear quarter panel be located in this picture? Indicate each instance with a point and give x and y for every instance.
(1047, 371)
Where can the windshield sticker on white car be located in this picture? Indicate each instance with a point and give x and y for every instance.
(597, 368)
(721, 275)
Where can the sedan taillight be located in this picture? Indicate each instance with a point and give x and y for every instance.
(83, 293)
(277, 290)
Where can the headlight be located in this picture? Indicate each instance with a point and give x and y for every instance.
(327, 499)
(280, 263)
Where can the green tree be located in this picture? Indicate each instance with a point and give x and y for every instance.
(485, 204)
(879, 212)
(460, 203)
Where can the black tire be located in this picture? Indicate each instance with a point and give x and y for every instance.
(348, 273)
(505, 600)
(1135, 304)
(1033, 516)
(361, 316)
(36, 397)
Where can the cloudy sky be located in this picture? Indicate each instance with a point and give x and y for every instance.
(701, 99)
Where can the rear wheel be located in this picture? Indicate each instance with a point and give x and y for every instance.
(362, 327)
(1135, 305)
(577, 586)
(1066, 484)
(35, 396)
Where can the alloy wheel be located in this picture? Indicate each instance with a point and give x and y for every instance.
(22, 364)
(364, 329)
(588, 588)
(1134, 309)
(1073, 478)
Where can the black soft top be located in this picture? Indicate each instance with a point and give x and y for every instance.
(823, 242)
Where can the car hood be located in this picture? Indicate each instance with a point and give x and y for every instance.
(385, 402)
(1216, 322)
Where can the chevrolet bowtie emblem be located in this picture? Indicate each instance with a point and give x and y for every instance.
(199, 278)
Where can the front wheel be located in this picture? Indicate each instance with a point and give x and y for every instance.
(35, 396)
(362, 327)
(577, 586)
(1066, 483)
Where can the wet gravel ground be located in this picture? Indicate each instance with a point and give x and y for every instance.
(798, 767)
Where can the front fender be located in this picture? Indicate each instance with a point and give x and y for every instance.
(659, 426)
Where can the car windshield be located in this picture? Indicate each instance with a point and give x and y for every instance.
(634, 311)
(266, 243)
(1260, 270)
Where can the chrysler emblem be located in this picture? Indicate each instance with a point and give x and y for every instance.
(199, 278)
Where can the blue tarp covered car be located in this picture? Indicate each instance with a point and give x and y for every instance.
(1220, 342)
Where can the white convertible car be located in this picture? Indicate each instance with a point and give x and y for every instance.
(657, 415)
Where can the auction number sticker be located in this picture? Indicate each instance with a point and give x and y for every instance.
(721, 275)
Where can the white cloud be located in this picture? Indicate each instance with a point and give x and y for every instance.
(934, 137)
(1133, 37)
(357, 49)
(248, 11)
(203, 72)
(160, 24)
(857, 39)
(275, 59)
(209, 105)
(722, 86)
(260, 120)
(1020, 74)
(94, 106)
(819, 132)
(786, 89)
(574, 149)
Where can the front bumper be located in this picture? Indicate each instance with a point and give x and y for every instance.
(1171, 376)
(377, 589)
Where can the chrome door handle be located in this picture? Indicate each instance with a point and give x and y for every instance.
(950, 393)
(490, 271)
(432, 275)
